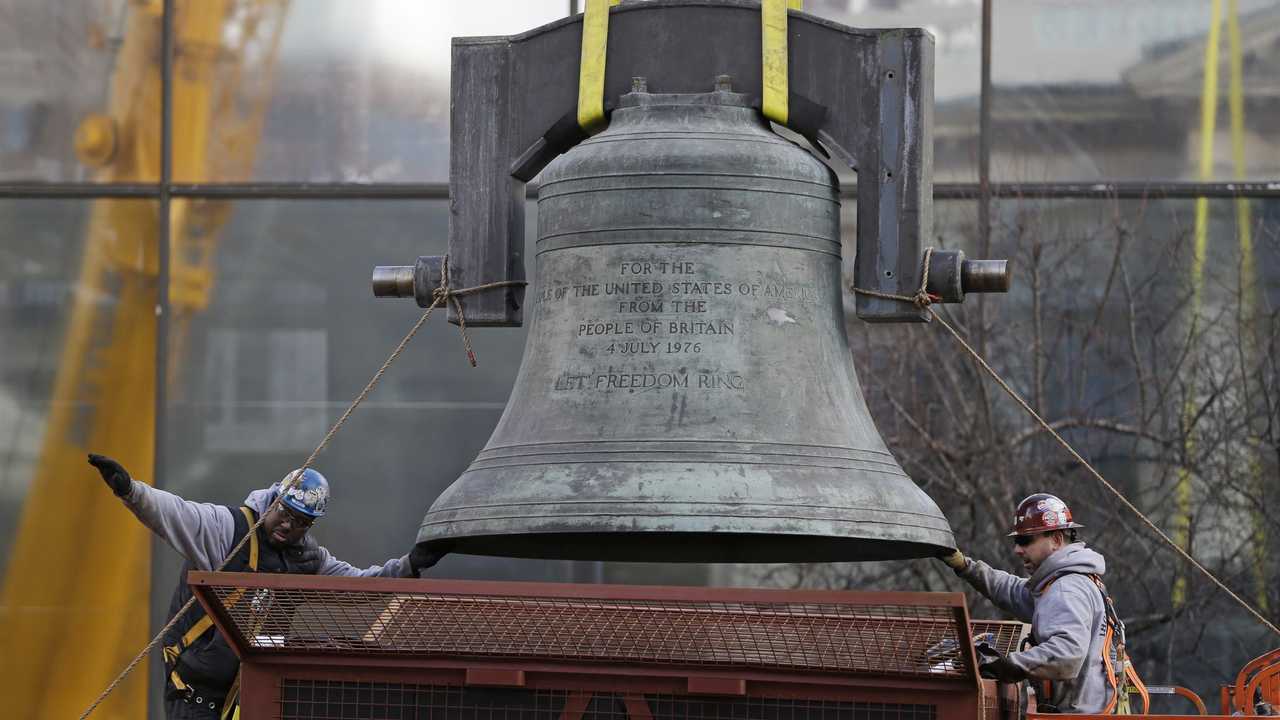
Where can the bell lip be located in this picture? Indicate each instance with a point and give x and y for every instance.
(691, 547)
(1068, 526)
(480, 515)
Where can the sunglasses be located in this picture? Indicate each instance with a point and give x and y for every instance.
(295, 520)
(1023, 540)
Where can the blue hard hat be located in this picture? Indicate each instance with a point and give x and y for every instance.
(308, 495)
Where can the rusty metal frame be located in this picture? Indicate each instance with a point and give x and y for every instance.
(1235, 697)
(1265, 680)
(201, 581)
(1189, 695)
(263, 671)
(261, 683)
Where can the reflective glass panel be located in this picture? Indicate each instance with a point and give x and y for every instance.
(287, 332)
(1094, 89)
(956, 26)
(77, 375)
(324, 90)
(82, 66)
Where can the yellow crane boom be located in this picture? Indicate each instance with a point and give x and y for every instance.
(74, 604)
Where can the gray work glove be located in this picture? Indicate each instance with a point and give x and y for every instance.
(422, 557)
(113, 474)
(305, 558)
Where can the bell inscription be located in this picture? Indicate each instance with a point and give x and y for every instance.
(672, 323)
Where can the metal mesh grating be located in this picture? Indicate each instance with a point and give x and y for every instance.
(910, 640)
(1003, 635)
(345, 700)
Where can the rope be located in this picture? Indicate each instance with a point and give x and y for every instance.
(444, 292)
(922, 298)
(925, 301)
(440, 296)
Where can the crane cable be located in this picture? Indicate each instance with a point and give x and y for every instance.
(442, 295)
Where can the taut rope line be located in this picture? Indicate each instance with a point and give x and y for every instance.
(924, 301)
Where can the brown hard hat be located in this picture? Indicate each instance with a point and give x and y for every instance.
(1042, 513)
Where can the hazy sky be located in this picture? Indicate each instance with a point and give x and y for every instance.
(413, 33)
(1035, 41)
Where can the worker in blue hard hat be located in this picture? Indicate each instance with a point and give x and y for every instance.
(1075, 656)
(203, 671)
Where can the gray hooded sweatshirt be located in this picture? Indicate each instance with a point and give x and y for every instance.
(1068, 623)
(204, 533)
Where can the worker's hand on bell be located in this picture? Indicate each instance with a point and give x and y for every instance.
(1002, 670)
(422, 557)
(113, 474)
(954, 559)
(305, 557)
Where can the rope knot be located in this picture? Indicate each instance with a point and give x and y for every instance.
(444, 294)
(922, 298)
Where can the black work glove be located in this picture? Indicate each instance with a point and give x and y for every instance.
(1002, 670)
(113, 474)
(305, 558)
(422, 557)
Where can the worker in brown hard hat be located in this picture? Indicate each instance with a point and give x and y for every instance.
(1075, 654)
(203, 671)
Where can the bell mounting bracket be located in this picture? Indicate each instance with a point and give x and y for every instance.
(865, 95)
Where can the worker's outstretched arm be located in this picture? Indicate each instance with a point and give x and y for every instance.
(1008, 591)
(407, 565)
(395, 567)
(1067, 612)
(201, 532)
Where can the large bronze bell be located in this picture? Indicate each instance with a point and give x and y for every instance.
(687, 391)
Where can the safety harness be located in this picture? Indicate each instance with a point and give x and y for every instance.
(1122, 678)
(230, 704)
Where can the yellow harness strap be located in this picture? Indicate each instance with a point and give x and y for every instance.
(773, 47)
(171, 652)
(177, 681)
(252, 540)
(231, 704)
(595, 42)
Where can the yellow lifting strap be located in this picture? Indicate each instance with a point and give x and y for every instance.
(595, 42)
(172, 652)
(773, 47)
